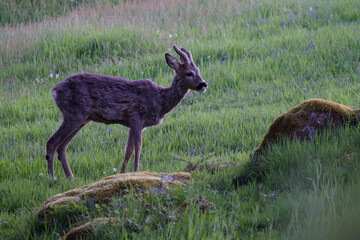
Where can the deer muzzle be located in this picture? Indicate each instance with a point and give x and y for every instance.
(202, 87)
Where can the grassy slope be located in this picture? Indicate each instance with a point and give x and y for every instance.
(256, 70)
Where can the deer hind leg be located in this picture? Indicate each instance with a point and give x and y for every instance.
(61, 151)
(65, 129)
(128, 151)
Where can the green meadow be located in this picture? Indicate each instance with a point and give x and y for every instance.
(259, 57)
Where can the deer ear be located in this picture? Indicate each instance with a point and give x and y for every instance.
(171, 61)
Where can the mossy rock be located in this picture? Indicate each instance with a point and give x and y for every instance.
(112, 186)
(304, 120)
(83, 231)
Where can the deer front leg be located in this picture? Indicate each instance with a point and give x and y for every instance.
(138, 145)
(128, 151)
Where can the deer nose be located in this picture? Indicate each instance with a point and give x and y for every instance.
(202, 87)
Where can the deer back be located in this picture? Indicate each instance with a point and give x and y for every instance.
(109, 99)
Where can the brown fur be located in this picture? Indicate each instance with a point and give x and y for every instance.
(106, 99)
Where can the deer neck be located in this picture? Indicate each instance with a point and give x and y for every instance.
(173, 95)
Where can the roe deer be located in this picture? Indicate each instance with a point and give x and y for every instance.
(135, 104)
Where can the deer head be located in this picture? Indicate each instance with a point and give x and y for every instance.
(186, 73)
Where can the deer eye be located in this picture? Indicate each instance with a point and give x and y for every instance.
(189, 74)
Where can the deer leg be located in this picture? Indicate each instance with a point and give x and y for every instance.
(128, 151)
(65, 129)
(138, 145)
(61, 150)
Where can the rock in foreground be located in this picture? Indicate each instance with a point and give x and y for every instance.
(114, 185)
(302, 121)
(201, 203)
(82, 231)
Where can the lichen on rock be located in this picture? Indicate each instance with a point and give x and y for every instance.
(304, 120)
(112, 186)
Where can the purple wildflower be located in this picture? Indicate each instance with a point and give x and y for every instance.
(305, 51)
(291, 20)
(106, 56)
(274, 53)
(110, 130)
(282, 24)
(224, 56)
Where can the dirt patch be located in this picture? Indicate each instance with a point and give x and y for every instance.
(211, 167)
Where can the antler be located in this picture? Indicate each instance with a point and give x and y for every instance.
(188, 54)
(182, 54)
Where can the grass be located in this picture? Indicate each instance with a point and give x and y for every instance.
(260, 58)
